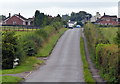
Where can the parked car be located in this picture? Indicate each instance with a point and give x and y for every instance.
(78, 26)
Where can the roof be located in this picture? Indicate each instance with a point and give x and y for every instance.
(30, 19)
(109, 16)
(18, 15)
(21, 16)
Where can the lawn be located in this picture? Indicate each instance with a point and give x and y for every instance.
(109, 33)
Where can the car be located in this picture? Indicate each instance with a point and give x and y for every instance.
(78, 26)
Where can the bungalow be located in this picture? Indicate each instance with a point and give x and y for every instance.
(107, 20)
(17, 19)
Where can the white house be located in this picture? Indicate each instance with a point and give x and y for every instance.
(96, 17)
(71, 24)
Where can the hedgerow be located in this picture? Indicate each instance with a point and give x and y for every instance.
(107, 61)
(104, 54)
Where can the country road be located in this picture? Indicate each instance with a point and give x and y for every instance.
(64, 63)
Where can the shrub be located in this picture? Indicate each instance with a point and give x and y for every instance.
(9, 43)
(94, 37)
(107, 60)
(105, 55)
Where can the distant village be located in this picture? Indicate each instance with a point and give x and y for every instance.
(105, 19)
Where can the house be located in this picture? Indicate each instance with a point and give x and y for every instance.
(2, 18)
(107, 20)
(119, 12)
(71, 24)
(1, 22)
(96, 17)
(18, 19)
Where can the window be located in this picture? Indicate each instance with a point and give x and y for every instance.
(14, 23)
(114, 19)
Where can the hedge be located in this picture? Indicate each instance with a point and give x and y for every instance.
(107, 60)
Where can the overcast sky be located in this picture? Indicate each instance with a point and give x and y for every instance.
(53, 7)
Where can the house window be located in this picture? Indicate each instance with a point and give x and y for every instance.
(106, 24)
(14, 23)
(107, 19)
(114, 19)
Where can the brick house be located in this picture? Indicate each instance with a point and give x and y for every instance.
(107, 20)
(18, 19)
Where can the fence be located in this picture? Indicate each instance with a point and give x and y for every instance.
(18, 28)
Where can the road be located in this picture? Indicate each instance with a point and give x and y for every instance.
(64, 63)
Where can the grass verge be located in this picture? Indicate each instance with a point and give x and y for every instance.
(28, 65)
(87, 74)
(47, 48)
(10, 80)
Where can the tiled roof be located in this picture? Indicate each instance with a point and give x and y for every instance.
(21, 16)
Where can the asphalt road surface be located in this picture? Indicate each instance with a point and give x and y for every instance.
(64, 64)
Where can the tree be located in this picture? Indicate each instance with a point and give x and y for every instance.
(2, 17)
(42, 18)
(37, 18)
(82, 15)
(9, 42)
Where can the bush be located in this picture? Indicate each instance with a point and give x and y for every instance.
(94, 37)
(9, 43)
(31, 42)
(107, 60)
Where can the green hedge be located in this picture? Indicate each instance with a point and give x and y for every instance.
(107, 61)
(106, 56)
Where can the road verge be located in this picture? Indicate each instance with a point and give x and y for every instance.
(87, 74)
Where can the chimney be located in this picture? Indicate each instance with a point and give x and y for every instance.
(19, 14)
(104, 14)
(9, 14)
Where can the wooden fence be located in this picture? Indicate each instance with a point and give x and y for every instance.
(18, 28)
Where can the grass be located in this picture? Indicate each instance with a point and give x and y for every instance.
(28, 65)
(10, 28)
(87, 74)
(109, 33)
(10, 80)
(47, 48)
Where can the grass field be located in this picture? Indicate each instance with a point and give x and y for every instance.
(109, 33)
(10, 28)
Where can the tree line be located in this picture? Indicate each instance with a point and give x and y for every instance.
(42, 20)
(80, 17)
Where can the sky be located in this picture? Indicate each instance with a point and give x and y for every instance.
(27, 8)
